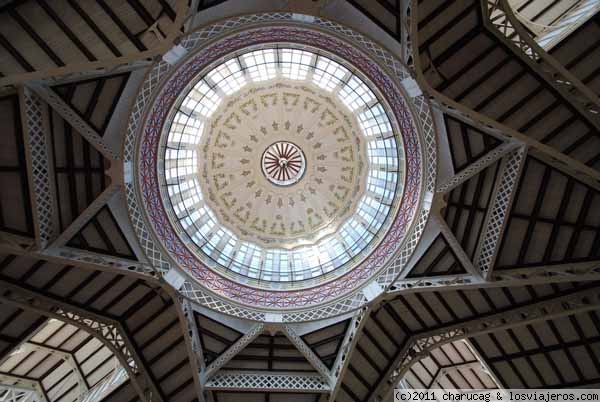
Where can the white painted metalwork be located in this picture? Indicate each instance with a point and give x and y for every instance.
(11, 393)
(79, 223)
(420, 345)
(546, 153)
(74, 119)
(118, 207)
(106, 386)
(497, 215)
(476, 167)
(42, 186)
(499, 17)
(62, 355)
(230, 380)
(306, 351)
(233, 350)
(351, 302)
(460, 253)
(551, 35)
(17, 389)
(107, 331)
(543, 274)
(192, 342)
(342, 360)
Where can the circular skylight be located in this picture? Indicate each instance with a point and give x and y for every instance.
(280, 165)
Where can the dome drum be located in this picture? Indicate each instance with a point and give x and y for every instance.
(280, 167)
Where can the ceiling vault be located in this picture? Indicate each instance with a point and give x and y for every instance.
(108, 329)
(167, 346)
(108, 65)
(420, 345)
(501, 21)
(21, 389)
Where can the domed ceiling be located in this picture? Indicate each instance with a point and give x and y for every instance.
(276, 173)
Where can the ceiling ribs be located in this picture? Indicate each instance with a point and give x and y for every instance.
(421, 344)
(108, 330)
(501, 21)
(118, 56)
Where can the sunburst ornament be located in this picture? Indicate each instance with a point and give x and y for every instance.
(283, 163)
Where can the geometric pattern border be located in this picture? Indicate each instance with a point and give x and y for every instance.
(334, 297)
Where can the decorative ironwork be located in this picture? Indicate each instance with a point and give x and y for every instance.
(14, 393)
(106, 386)
(495, 220)
(283, 163)
(79, 223)
(19, 389)
(398, 244)
(420, 345)
(500, 17)
(346, 348)
(306, 351)
(67, 357)
(106, 330)
(268, 381)
(569, 272)
(233, 350)
(477, 166)
(73, 118)
(39, 166)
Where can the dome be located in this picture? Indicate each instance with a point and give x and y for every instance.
(278, 166)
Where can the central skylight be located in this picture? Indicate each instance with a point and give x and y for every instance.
(224, 204)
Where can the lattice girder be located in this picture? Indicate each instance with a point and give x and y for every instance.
(499, 17)
(108, 331)
(420, 345)
(230, 380)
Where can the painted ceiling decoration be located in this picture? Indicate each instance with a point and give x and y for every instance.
(359, 204)
(233, 200)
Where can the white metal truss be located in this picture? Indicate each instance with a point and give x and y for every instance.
(342, 360)
(575, 17)
(546, 153)
(520, 276)
(233, 350)
(17, 389)
(196, 344)
(497, 215)
(108, 331)
(420, 345)
(478, 166)
(499, 17)
(84, 259)
(75, 120)
(268, 382)
(460, 253)
(192, 341)
(67, 357)
(118, 207)
(405, 38)
(106, 386)
(79, 223)
(104, 66)
(42, 186)
(484, 364)
(306, 351)
(12, 393)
